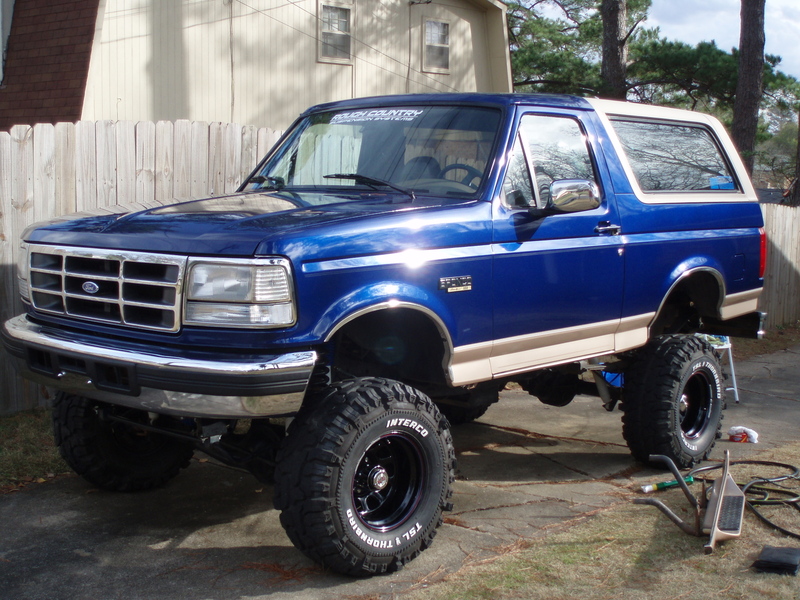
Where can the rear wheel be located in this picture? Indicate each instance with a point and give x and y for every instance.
(363, 477)
(673, 400)
(114, 455)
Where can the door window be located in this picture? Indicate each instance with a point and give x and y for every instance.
(549, 148)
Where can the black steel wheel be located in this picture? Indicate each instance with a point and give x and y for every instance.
(364, 475)
(114, 455)
(389, 481)
(673, 398)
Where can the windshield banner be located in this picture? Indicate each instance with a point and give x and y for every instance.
(378, 114)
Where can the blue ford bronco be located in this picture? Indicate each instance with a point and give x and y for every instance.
(387, 269)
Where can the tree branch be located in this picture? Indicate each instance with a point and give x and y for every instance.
(632, 29)
(577, 86)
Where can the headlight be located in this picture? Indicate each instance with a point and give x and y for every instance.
(22, 272)
(238, 293)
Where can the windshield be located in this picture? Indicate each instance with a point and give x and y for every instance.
(440, 150)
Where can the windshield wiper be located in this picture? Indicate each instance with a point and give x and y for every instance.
(372, 182)
(275, 183)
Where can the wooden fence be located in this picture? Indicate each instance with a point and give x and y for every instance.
(781, 296)
(70, 167)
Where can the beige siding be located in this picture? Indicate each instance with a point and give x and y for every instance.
(257, 62)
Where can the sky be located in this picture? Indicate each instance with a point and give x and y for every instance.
(692, 22)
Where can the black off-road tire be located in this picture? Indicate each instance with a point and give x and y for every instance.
(364, 475)
(111, 455)
(673, 397)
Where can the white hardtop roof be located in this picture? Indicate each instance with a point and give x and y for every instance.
(650, 111)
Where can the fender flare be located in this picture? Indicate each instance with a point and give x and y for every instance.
(385, 296)
(682, 273)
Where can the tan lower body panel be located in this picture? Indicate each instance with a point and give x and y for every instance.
(501, 358)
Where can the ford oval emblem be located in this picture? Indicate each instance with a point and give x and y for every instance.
(90, 287)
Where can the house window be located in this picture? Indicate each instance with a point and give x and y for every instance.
(437, 47)
(335, 33)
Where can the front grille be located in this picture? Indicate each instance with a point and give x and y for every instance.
(136, 289)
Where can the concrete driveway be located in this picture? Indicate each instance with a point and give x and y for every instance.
(212, 534)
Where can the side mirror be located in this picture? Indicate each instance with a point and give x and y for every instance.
(573, 195)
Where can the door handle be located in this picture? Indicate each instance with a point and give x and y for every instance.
(607, 227)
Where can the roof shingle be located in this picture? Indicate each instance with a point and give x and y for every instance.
(47, 66)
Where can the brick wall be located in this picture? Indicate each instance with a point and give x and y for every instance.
(47, 61)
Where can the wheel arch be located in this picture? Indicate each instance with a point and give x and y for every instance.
(399, 339)
(695, 293)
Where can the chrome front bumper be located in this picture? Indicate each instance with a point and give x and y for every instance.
(227, 387)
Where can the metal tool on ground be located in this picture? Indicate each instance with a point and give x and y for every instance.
(719, 516)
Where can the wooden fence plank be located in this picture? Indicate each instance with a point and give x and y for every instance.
(216, 159)
(125, 151)
(791, 217)
(85, 166)
(22, 187)
(164, 161)
(145, 161)
(22, 215)
(6, 238)
(250, 156)
(233, 157)
(106, 142)
(200, 181)
(44, 175)
(266, 140)
(65, 169)
(182, 159)
(8, 293)
(783, 272)
(771, 272)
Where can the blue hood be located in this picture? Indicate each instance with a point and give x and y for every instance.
(235, 225)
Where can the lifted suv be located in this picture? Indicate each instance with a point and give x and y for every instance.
(385, 271)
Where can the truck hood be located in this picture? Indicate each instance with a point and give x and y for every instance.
(235, 225)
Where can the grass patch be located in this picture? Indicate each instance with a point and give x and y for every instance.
(27, 451)
(775, 340)
(633, 551)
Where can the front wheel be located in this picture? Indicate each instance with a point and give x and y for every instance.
(364, 475)
(113, 455)
(673, 400)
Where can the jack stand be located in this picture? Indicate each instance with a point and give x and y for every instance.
(720, 519)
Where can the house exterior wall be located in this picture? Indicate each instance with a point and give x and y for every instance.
(258, 62)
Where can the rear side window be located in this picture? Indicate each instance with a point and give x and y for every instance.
(674, 157)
